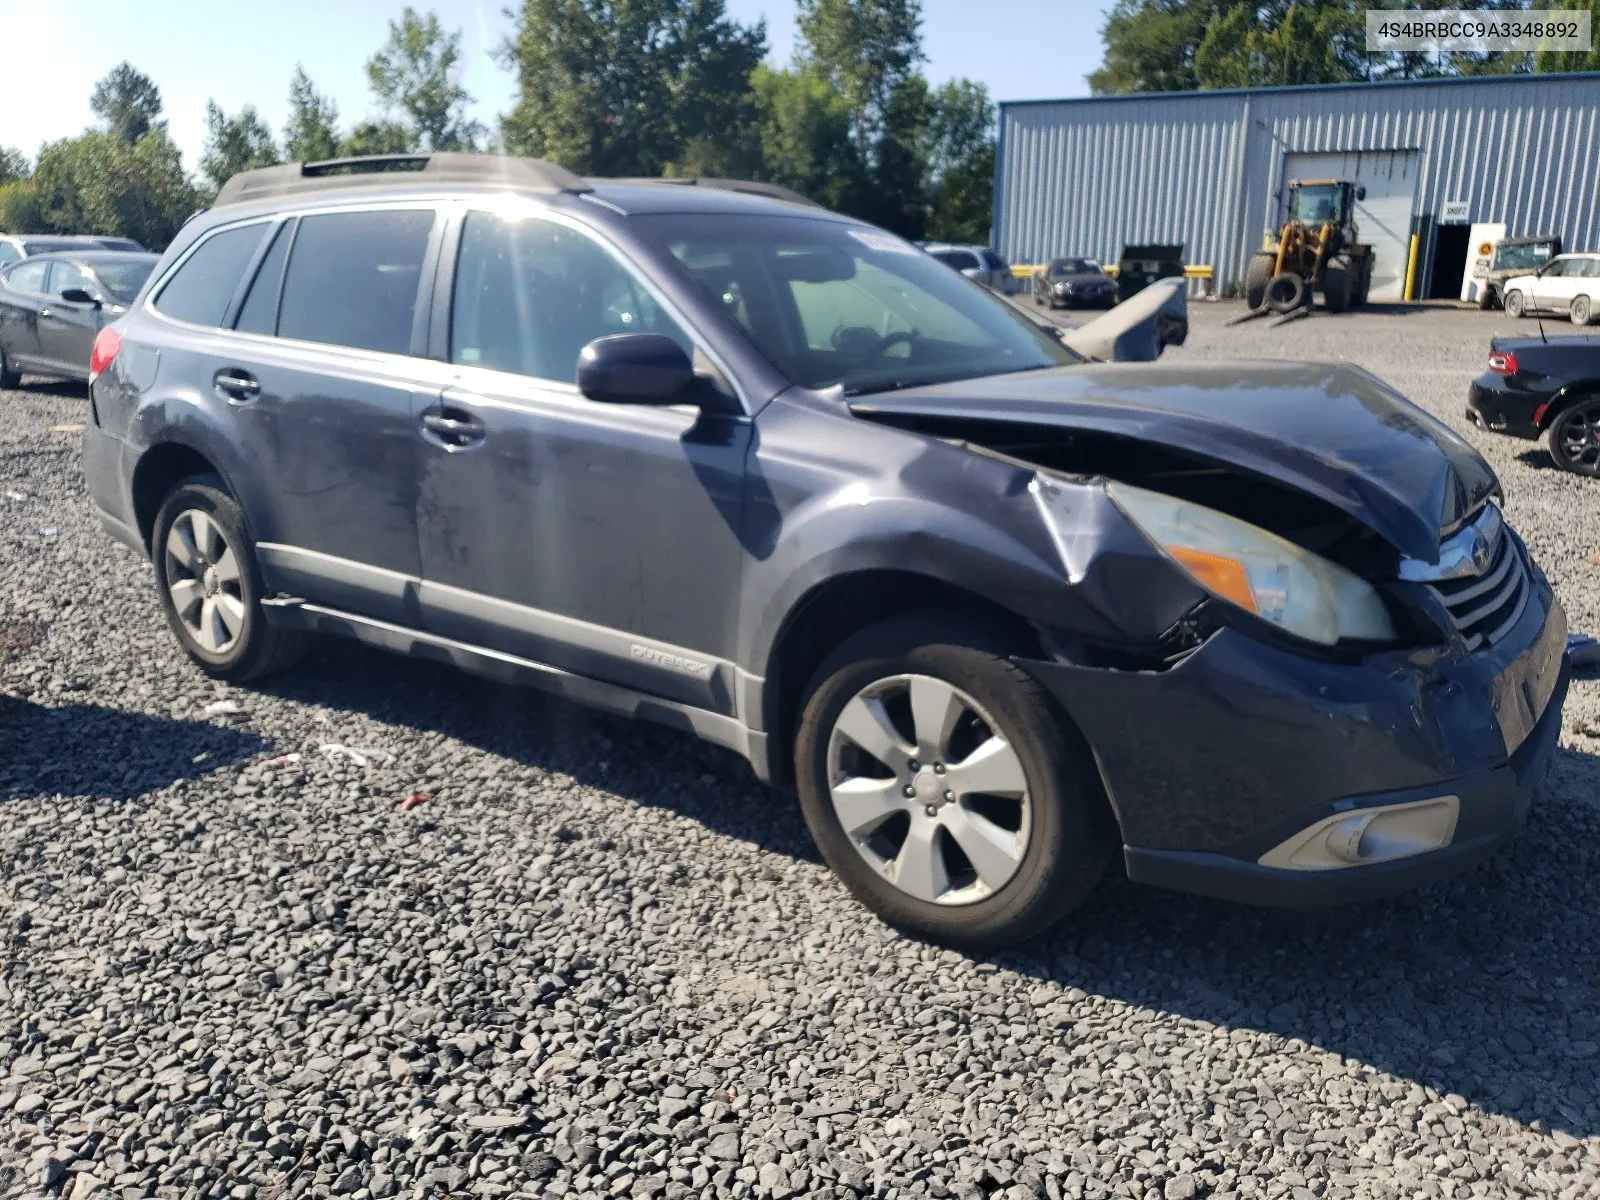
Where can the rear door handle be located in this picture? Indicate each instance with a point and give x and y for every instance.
(236, 386)
(453, 429)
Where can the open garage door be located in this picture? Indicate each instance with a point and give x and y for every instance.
(1384, 217)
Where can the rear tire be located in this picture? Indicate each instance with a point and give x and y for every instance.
(1364, 284)
(1582, 311)
(1256, 277)
(1515, 304)
(1043, 833)
(9, 378)
(1574, 438)
(1337, 278)
(209, 585)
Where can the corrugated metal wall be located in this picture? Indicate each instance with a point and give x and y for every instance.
(1088, 176)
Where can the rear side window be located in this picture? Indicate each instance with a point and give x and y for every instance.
(353, 278)
(199, 293)
(29, 277)
(259, 313)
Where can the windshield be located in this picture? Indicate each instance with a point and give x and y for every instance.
(1073, 266)
(122, 277)
(832, 303)
(1315, 205)
(1523, 257)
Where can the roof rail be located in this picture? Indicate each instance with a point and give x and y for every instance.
(379, 170)
(748, 186)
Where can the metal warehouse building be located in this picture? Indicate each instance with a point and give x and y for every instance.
(1207, 169)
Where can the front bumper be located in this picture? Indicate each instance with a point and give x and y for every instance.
(1213, 763)
(1495, 403)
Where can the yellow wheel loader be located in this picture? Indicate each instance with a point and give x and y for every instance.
(1319, 249)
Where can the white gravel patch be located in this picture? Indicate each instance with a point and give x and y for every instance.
(599, 960)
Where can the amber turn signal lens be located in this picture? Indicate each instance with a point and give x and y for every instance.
(1223, 576)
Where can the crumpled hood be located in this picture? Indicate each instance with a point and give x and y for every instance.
(1329, 429)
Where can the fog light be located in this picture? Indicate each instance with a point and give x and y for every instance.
(1368, 835)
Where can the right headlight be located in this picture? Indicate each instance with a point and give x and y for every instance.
(1258, 571)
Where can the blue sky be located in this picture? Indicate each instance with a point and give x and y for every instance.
(243, 53)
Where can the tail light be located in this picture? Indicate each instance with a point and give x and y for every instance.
(106, 347)
(1502, 362)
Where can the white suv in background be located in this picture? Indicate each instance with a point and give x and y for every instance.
(1568, 284)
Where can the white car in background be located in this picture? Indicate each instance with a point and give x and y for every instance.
(1569, 285)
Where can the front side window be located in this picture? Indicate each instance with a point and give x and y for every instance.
(205, 282)
(530, 294)
(259, 312)
(353, 279)
(69, 275)
(122, 277)
(29, 277)
(1556, 269)
(828, 302)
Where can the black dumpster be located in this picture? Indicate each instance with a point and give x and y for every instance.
(1140, 266)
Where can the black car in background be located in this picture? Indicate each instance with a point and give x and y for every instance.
(1544, 388)
(1070, 282)
(14, 247)
(52, 306)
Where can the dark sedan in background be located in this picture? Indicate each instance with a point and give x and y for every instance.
(53, 305)
(19, 246)
(1537, 388)
(1069, 282)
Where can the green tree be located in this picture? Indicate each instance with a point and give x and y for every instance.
(803, 129)
(128, 101)
(14, 165)
(379, 137)
(867, 50)
(633, 87)
(961, 162)
(235, 144)
(417, 73)
(311, 132)
(19, 208)
(1279, 44)
(1150, 45)
(99, 183)
(1553, 61)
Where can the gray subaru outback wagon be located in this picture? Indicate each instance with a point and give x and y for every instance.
(711, 455)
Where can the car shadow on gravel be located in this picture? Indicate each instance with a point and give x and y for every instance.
(67, 389)
(1539, 460)
(87, 750)
(634, 759)
(1486, 986)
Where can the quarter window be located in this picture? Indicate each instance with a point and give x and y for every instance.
(259, 313)
(353, 279)
(205, 283)
(531, 294)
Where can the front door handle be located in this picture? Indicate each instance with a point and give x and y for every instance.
(453, 428)
(236, 386)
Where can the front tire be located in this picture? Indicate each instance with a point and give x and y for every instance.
(1515, 305)
(209, 585)
(943, 786)
(1337, 284)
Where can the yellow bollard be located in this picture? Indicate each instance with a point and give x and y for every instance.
(1411, 266)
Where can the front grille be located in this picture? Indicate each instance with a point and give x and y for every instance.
(1485, 607)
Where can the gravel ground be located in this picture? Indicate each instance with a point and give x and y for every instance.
(599, 960)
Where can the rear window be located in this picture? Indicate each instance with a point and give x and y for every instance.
(9, 253)
(353, 278)
(199, 293)
(961, 260)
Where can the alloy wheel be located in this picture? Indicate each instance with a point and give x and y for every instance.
(928, 790)
(204, 581)
(1579, 438)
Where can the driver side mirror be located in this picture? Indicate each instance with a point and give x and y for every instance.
(79, 296)
(636, 368)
